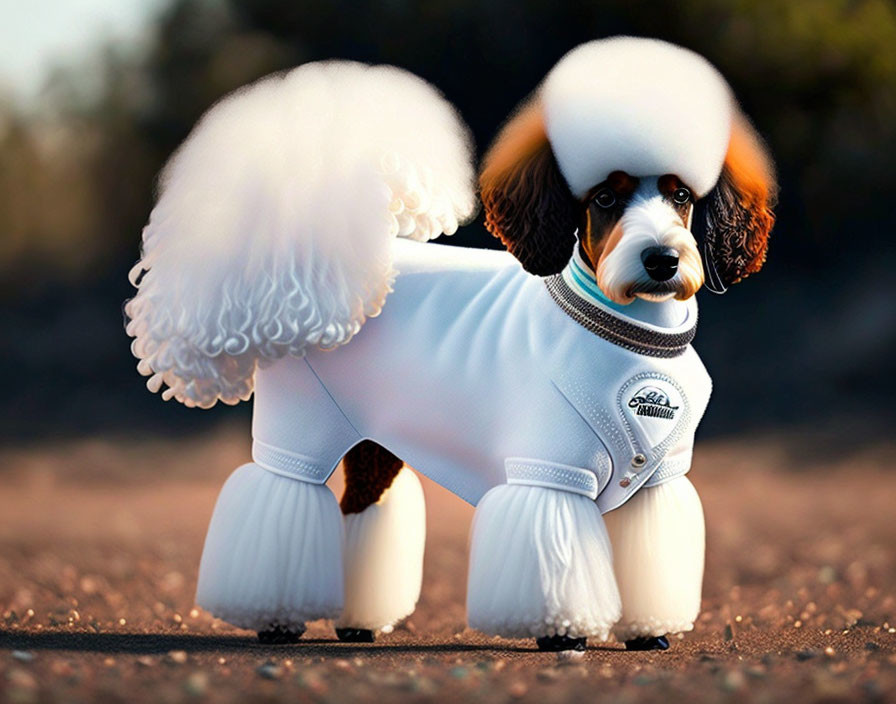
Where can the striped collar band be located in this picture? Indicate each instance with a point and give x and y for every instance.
(576, 292)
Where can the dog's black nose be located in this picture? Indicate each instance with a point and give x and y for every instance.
(661, 263)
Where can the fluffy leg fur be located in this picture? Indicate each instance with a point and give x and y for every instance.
(658, 546)
(384, 556)
(273, 553)
(540, 565)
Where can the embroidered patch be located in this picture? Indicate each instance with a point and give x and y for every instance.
(654, 402)
(653, 407)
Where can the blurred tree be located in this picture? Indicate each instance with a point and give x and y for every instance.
(818, 78)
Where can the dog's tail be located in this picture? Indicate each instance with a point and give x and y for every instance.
(272, 229)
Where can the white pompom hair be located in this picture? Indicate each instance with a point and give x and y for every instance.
(273, 552)
(272, 227)
(642, 106)
(540, 565)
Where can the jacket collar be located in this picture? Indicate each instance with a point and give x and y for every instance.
(576, 292)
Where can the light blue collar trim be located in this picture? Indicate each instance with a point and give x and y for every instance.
(581, 279)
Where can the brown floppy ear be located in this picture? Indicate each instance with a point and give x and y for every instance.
(735, 218)
(528, 204)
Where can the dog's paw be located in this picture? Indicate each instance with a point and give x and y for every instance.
(553, 644)
(280, 635)
(648, 643)
(355, 635)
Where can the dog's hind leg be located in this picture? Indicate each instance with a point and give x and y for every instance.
(658, 547)
(385, 531)
(273, 554)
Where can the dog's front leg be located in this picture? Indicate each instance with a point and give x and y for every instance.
(658, 546)
(540, 562)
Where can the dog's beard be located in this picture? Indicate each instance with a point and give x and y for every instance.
(620, 271)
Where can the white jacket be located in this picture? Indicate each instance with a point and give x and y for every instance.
(477, 373)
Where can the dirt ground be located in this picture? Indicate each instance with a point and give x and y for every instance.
(100, 543)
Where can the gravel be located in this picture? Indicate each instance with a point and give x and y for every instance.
(100, 542)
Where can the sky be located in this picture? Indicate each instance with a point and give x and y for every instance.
(36, 35)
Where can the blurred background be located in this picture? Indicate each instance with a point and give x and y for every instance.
(95, 95)
(105, 490)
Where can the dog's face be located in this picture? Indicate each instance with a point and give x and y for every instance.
(637, 238)
(646, 237)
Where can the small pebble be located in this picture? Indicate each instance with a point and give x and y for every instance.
(517, 690)
(804, 655)
(827, 575)
(22, 655)
(313, 681)
(733, 681)
(196, 684)
(146, 661)
(343, 665)
(270, 670)
(20, 679)
(178, 657)
(548, 674)
(459, 672)
(62, 668)
(422, 685)
(570, 657)
(757, 672)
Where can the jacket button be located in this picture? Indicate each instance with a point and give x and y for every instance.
(639, 460)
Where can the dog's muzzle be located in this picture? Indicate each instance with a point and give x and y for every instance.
(660, 263)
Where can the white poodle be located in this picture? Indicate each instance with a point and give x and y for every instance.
(545, 394)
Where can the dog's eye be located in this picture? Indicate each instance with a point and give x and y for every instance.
(605, 198)
(681, 196)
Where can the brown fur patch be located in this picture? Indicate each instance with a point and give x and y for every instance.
(739, 215)
(667, 185)
(528, 205)
(369, 470)
(751, 173)
(601, 223)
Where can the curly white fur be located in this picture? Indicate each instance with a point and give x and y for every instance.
(272, 228)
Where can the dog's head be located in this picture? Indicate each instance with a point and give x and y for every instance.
(636, 148)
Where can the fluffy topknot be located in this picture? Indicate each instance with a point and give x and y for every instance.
(642, 106)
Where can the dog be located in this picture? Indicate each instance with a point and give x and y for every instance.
(553, 386)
